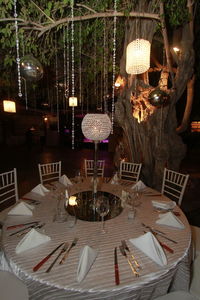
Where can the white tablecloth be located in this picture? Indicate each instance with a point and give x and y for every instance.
(61, 282)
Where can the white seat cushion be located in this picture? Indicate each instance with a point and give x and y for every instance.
(11, 287)
(178, 295)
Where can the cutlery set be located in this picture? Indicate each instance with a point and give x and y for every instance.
(31, 201)
(26, 228)
(158, 232)
(133, 263)
(64, 250)
(129, 256)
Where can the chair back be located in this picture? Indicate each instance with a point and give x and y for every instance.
(174, 184)
(8, 189)
(89, 167)
(49, 172)
(129, 171)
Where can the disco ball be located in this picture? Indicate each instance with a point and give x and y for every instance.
(31, 68)
(158, 97)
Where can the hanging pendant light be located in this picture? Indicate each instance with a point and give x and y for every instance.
(138, 56)
(9, 106)
(73, 101)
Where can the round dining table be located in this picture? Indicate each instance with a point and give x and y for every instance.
(61, 282)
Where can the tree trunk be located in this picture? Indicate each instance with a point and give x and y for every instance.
(154, 142)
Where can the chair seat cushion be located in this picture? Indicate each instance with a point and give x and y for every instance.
(12, 287)
(177, 295)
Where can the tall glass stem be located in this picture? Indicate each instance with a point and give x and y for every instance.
(103, 224)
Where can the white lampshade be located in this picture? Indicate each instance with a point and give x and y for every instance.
(9, 106)
(138, 56)
(73, 101)
(96, 127)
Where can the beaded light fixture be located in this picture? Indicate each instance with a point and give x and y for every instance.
(114, 64)
(9, 106)
(96, 127)
(17, 50)
(73, 83)
(138, 56)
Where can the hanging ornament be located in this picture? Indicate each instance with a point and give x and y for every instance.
(158, 97)
(138, 56)
(96, 127)
(31, 68)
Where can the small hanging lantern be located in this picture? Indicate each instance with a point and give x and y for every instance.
(138, 56)
(9, 106)
(73, 101)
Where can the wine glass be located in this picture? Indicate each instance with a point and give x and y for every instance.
(137, 194)
(102, 208)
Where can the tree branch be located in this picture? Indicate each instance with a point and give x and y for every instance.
(90, 9)
(42, 11)
(166, 43)
(97, 15)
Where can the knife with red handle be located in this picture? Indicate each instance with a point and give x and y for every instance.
(166, 247)
(46, 258)
(21, 225)
(117, 281)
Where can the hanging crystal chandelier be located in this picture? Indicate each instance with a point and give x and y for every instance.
(138, 56)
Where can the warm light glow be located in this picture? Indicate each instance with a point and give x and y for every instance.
(138, 56)
(73, 101)
(141, 107)
(176, 49)
(195, 126)
(9, 106)
(72, 200)
(119, 82)
(45, 119)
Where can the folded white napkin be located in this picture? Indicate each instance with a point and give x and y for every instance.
(32, 239)
(86, 260)
(21, 209)
(139, 185)
(40, 190)
(65, 180)
(164, 204)
(149, 245)
(115, 179)
(170, 219)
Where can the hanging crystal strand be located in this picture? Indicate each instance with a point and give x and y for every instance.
(57, 94)
(25, 85)
(105, 77)
(72, 52)
(80, 68)
(64, 70)
(114, 65)
(95, 68)
(17, 50)
(68, 72)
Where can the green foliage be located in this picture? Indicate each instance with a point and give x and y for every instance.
(176, 11)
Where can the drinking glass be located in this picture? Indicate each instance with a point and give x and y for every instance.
(102, 208)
